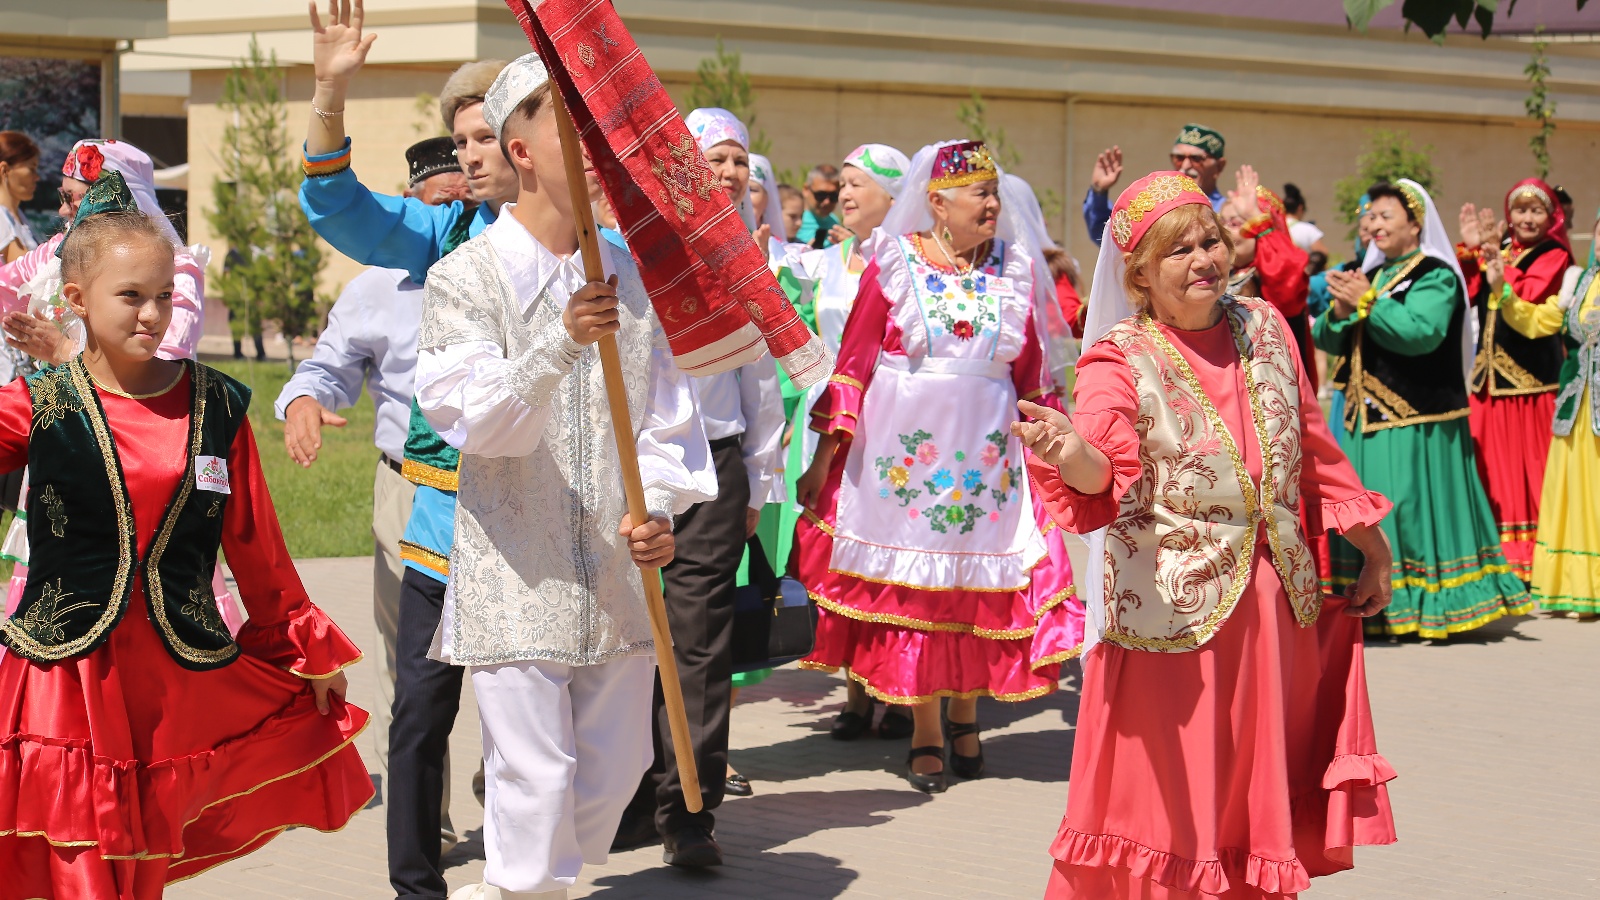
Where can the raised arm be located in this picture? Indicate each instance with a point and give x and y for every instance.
(338, 51)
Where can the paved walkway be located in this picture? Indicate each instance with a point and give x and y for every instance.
(1494, 736)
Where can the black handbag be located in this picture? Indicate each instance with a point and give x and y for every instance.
(774, 620)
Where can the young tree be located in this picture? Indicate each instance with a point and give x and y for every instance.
(973, 115)
(1389, 156)
(1541, 108)
(271, 267)
(721, 81)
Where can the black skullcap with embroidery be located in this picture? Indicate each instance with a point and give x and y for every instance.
(430, 157)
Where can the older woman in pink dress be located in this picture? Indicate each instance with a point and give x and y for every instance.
(1224, 746)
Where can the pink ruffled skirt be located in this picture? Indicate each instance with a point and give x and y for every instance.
(1238, 770)
(907, 645)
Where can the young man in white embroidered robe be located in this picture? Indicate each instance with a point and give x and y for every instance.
(547, 607)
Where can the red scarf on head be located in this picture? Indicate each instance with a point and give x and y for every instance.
(1558, 217)
(718, 302)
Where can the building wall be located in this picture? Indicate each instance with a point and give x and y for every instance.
(1295, 102)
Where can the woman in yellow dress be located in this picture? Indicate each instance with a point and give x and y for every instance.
(1566, 560)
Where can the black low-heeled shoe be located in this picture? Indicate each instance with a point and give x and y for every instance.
(737, 785)
(928, 784)
(847, 726)
(968, 767)
(894, 726)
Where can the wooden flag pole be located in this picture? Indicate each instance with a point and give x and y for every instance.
(628, 456)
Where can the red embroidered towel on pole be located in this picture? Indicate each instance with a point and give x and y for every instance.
(717, 300)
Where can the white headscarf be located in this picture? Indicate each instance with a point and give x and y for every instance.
(138, 173)
(1060, 347)
(1436, 243)
(883, 164)
(713, 125)
(772, 214)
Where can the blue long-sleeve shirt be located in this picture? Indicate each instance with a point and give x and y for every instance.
(381, 229)
(394, 233)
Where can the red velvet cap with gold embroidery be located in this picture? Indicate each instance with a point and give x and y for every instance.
(967, 162)
(1147, 200)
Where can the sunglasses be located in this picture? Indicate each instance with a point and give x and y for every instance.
(68, 198)
(825, 196)
(1178, 159)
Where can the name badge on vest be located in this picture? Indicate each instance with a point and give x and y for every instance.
(211, 474)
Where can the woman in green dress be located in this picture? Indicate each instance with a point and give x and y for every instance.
(1403, 336)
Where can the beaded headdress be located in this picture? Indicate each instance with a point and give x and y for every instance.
(1415, 201)
(1146, 201)
(964, 163)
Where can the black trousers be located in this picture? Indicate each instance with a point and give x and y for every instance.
(427, 695)
(699, 593)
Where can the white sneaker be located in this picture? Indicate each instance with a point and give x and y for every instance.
(482, 891)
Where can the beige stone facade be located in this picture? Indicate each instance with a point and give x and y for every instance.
(1064, 79)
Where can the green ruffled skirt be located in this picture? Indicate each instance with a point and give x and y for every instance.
(1450, 574)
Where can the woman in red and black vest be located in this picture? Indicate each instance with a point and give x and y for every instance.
(1515, 376)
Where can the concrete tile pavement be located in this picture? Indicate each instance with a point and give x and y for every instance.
(1494, 736)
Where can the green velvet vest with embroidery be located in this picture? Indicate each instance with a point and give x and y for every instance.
(83, 546)
(428, 459)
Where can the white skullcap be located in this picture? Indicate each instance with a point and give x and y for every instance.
(521, 78)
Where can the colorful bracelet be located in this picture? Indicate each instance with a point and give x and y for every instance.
(322, 168)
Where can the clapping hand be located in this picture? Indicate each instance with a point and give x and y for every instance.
(1347, 289)
(1494, 271)
(838, 234)
(1471, 231)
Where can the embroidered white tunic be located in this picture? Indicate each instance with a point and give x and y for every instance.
(538, 571)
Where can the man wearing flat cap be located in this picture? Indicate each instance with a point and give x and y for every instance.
(1198, 152)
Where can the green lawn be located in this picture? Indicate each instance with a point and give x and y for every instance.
(325, 510)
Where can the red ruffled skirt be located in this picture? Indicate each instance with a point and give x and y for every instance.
(1237, 770)
(121, 771)
(1512, 437)
(906, 645)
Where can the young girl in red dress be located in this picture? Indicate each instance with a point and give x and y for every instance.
(141, 744)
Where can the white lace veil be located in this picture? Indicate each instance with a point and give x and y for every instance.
(1436, 243)
(1060, 347)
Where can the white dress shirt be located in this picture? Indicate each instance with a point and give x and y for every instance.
(748, 401)
(538, 570)
(371, 337)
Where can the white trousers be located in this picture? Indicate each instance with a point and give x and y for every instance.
(563, 750)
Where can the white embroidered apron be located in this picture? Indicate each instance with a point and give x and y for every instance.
(934, 494)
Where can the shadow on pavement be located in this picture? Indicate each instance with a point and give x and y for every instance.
(749, 828)
(1044, 755)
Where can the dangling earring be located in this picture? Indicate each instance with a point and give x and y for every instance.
(949, 239)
